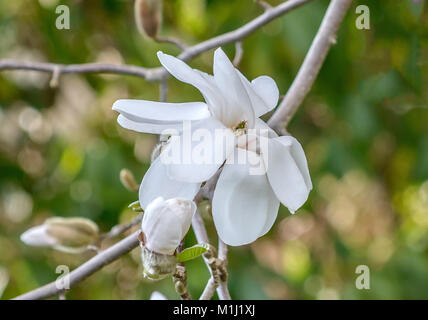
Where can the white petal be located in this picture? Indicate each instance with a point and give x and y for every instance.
(150, 111)
(165, 223)
(199, 151)
(262, 92)
(262, 126)
(244, 205)
(288, 172)
(37, 236)
(299, 157)
(146, 127)
(238, 104)
(266, 88)
(156, 183)
(196, 78)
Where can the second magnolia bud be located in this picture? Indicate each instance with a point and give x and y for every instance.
(64, 234)
(148, 16)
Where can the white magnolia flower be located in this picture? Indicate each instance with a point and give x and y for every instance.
(245, 205)
(165, 223)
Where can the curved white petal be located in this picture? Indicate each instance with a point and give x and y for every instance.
(200, 80)
(146, 127)
(288, 172)
(263, 93)
(199, 151)
(238, 104)
(150, 111)
(263, 127)
(266, 88)
(156, 183)
(165, 223)
(244, 205)
(38, 236)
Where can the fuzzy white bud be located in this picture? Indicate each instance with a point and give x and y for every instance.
(165, 223)
(62, 233)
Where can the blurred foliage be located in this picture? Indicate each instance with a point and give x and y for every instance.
(364, 127)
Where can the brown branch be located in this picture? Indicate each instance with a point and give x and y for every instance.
(311, 66)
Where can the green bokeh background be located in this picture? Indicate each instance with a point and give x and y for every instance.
(364, 127)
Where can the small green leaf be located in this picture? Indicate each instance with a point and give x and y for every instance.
(193, 252)
(135, 206)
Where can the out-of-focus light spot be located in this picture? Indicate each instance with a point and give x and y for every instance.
(313, 285)
(192, 16)
(380, 250)
(277, 290)
(296, 261)
(328, 294)
(31, 161)
(48, 4)
(17, 205)
(80, 191)
(31, 121)
(293, 227)
(70, 164)
(268, 253)
(341, 213)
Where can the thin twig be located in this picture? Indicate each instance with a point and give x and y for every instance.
(159, 73)
(171, 40)
(121, 228)
(263, 4)
(180, 277)
(151, 74)
(209, 290)
(314, 59)
(202, 237)
(222, 290)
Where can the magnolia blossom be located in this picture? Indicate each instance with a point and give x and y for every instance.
(165, 223)
(245, 204)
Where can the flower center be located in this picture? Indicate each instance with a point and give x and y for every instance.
(240, 129)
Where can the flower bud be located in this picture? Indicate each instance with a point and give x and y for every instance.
(64, 234)
(128, 180)
(165, 223)
(148, 16)
(157, 266)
